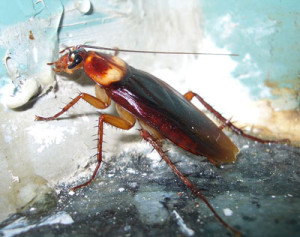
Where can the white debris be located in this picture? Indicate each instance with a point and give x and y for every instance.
(21, 225)
(227, 212)
(183, 228)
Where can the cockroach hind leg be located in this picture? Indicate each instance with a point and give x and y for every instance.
(227, 123)
(185, 180)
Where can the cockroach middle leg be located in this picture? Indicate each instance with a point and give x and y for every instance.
(99, 154)
(227, 123)
(125, 121)
(187, 182)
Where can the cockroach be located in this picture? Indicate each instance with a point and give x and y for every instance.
(162, 112)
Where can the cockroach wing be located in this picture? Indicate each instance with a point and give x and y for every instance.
(163, 108)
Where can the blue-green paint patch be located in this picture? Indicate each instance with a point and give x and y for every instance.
(15, 12)
(87, 21)
(92, 18)
(28, 35)
(264, 33)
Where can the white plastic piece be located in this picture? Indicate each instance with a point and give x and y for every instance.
(29, 88)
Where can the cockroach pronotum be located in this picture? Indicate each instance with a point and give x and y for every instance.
(162, 112)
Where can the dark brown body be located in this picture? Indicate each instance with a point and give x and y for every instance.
(161, 111)
(161, 107)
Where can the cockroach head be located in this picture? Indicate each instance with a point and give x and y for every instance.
(70, 61)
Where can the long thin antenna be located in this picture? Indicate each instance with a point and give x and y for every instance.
(153, 52)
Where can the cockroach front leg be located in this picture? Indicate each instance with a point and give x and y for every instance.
(148, 137)
(101, 101)
(227, 122)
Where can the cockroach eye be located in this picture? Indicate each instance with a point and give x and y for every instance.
(77, 60)
(72, 56)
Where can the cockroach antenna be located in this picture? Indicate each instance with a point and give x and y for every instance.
(154, 52)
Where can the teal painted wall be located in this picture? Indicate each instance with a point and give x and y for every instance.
(264, 33)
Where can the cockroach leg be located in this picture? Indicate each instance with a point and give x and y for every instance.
(224, 125)
(187, 182)
(102, 101)
(101, 95)
(154, 133)
(227, 123)
(125, 121)
(97, 103)
(126, 116)
(99, 154)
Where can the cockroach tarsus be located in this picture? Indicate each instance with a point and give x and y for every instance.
(161, 111)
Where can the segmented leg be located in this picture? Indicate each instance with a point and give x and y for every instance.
(102, 101)
(227, 123)
(88, 98)
(126, 121)
(187, 182)
(224, 125)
